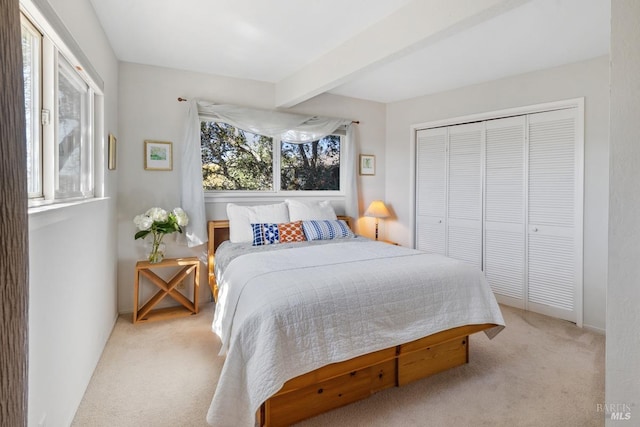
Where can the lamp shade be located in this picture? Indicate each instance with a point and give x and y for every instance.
(377, 209)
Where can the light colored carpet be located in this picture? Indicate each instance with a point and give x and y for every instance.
(539, 371)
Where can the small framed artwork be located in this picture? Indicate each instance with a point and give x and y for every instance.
(158, 156)
(367, 164)
(111, 164)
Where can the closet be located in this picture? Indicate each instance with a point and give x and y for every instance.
(505, 195)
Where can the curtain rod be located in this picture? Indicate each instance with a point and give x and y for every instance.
(181, 99)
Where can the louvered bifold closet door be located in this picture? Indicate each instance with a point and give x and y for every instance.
(504, 226)
(464, 204)
(431, 189)
(554, 254)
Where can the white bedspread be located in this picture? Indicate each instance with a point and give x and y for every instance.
(281, 314)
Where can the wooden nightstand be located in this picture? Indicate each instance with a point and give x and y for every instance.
(187, 307)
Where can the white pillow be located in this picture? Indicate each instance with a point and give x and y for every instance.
(241, 218)
(310, 210)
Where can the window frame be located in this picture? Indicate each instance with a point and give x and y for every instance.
(276, 192)
(87, 134)
(56, 44)
(34, 132)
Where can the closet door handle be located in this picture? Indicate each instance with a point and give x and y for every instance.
(535, 229)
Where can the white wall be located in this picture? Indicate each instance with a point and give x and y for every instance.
(623, 295)
(72, 274)
(149, 110)
(589, 79)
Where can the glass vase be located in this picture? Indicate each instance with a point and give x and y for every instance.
(156, 251)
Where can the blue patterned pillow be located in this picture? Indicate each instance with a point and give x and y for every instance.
(326, 229)
(265, 234)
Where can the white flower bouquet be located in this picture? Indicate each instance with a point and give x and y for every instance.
(158, 222)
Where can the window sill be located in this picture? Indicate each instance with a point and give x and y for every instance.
(227, 197)
(61, 205)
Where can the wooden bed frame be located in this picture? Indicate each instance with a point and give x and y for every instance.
(339, 384)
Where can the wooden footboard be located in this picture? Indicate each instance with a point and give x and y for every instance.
(339, 384)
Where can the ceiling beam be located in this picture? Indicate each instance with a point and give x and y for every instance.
(412, 27)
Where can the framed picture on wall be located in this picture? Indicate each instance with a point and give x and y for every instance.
(158, 156)
(112, 152)
(367, 164)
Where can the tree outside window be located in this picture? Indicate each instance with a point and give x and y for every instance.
(311, 166)
(234, 159)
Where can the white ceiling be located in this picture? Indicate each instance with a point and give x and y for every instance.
(274, 40)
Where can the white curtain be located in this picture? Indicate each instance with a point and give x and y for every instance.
(351, 191)
(288, 127)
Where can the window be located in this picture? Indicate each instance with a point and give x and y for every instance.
(73, 134)
(60, 120)
(237, 160)
(31, 54)
(233, 159)
(311, 166)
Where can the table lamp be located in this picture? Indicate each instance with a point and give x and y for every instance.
(377, 210)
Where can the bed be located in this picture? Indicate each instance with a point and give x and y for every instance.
(307, 327)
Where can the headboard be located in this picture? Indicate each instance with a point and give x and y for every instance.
(218, 232)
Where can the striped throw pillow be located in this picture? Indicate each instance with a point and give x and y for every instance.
(326, 230)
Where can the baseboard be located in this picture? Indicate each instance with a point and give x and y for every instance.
(594, 329)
